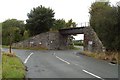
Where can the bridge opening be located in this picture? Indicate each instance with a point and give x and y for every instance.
(78, 41)
(78, 36)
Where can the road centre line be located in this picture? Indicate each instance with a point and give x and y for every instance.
(92, 74)
(82, 70)
(66, 61)
(62, 60)
(27, 58)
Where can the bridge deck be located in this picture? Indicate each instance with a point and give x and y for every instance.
(72, 31)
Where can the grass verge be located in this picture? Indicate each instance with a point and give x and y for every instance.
(0, 71)
(37, 48)
(26, 48)
(12, 67)
(73, 48)
(30, 48)
(5, 46)
(113, 57)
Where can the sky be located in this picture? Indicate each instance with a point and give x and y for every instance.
(78, 10)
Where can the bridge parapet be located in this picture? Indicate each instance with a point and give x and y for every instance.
(75, 30)
(85, 24)
(72, 31)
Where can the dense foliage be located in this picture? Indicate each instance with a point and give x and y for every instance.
(117, 29)
(61, 24)
(78, 42)
(105, 20)
(13, 30)
(58, 24)
(40, 19)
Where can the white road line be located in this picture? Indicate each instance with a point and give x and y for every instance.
(111, 64)
(27, 58)
(62, 60)
(93, 74)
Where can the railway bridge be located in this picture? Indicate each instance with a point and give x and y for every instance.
(59, 40)
(91, 40)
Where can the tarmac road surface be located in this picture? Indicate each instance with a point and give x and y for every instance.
(65, 64)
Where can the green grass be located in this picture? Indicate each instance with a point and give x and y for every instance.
(0, 71)
(5, 46)
(12, 67)
(72, 48)
(108, 56)
(26, 48)
(30, 48)
(119, 57)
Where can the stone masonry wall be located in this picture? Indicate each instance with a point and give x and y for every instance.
(91, 41)
(48, 40)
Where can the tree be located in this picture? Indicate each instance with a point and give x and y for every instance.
(26, 34)
(0, 34)
(103, 20)
(58, 24)
(12, 31)
(117, 39)
(70, 24)
(40, 19)
(61, 24)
